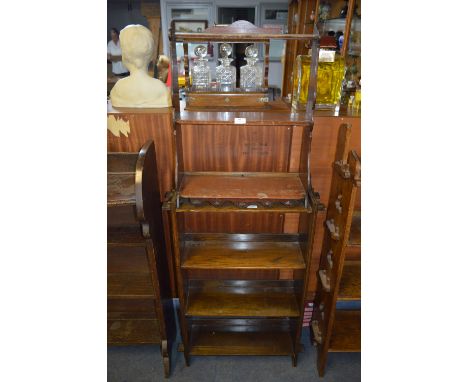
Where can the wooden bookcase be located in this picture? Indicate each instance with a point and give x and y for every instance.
(336, 319)
(139, 303)
(242, 283)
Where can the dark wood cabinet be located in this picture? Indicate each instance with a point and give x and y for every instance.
(139, 304)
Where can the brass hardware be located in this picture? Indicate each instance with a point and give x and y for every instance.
(227, 99)
(263, 99)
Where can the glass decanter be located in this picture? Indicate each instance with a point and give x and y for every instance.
(225, 73)
(251, 74)
(201, 75)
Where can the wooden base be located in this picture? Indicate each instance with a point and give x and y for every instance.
(210, 342)
(225, 100)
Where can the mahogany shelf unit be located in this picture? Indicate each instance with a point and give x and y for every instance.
(334, 328)
(139, 305)
(242, 215)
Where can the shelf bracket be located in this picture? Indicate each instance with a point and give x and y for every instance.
(316, 331)
(343, 169)
(338, 206)
(325, 280)
(334, 230)
(330, 259)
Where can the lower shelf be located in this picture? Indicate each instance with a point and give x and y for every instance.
(241, 299)
(346, 334)
(133, 331)
(129, 285)
(210, 342)
(350, 283)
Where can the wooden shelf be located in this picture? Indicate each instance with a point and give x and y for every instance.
(120, 189)
(242, 186)
(129, 285)
(276, 208)
(214, 301)
(242, 255)
(133, 331)
(125, 236)
(346, 335)
(355, 232)
(213, 342)
(350, 283)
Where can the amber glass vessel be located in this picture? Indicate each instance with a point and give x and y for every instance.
(301, 74)
(330, 74)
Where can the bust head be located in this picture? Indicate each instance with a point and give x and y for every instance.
(139, 89)
(137, 44)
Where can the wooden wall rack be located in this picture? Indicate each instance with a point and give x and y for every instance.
(336, 319)
(139, 303)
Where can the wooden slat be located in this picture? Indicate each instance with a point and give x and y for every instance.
(121, 162)
(350, 283)
(129, 285)
(346, 336)
(203, 37)
(242, 255)
(187, 208)
(131, 309)
(279, 113)
(133, 331)
(355, 233)
(125, 236)
(126, 259)
(209, 342)
(120, 189)
(225, 304)
(242, 187)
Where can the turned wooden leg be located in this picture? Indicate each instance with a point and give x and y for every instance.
(294, 359)
(321, 362)
(166, 359)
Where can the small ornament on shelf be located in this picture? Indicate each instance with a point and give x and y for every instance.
(226, 73)
(251, 74)
(201, 75)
